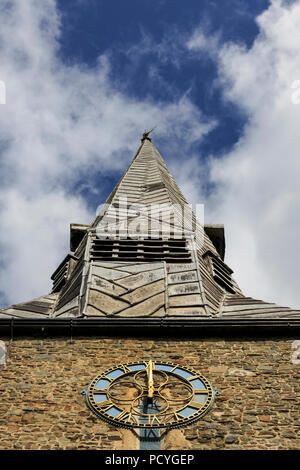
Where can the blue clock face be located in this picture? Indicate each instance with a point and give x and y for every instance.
(150, 395)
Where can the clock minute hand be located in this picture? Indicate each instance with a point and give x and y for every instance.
(149, 370)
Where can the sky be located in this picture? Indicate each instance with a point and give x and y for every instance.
(219, 81)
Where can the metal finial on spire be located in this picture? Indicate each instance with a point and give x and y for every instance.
(146, 135)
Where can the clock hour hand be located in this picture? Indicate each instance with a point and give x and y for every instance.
(149, 370)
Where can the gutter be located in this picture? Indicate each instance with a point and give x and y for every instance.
(163, 327)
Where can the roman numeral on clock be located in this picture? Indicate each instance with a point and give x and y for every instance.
(124, 415)
(125, 368)
(104, 405)
(195, 404)
(177, 417)
(152, 419)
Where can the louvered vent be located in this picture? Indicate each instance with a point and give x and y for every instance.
(170, 250)
(222, 274)
(59, 277)
(71, 288)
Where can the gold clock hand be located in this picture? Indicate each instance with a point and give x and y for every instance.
(149, 370)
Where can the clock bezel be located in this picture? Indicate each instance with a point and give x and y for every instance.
(182, 421)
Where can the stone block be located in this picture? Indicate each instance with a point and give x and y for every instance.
(240, 373)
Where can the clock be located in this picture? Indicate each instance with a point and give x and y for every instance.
(150, 394)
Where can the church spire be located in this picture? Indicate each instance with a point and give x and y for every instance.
(147, 228)
(150, 264)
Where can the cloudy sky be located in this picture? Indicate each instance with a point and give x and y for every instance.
(85, 78)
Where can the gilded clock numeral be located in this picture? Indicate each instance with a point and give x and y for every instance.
(202, 391)
(124, 415)
(125, 368)
(195, 404)
(100, 391)
(152, 419)
(192, 378)
(105, 404)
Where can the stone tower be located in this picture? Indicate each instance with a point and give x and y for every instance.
(148, 280)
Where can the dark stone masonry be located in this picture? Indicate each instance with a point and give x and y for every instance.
(42, 406)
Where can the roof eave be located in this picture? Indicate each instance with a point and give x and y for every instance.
(155, 326)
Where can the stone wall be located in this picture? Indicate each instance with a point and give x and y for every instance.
(41, 406)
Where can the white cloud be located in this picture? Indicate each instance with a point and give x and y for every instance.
(257, 184)
(204, 42)
(58, 121)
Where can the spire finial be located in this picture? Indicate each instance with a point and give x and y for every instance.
(146, 135)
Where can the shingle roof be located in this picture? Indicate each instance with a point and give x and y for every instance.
(42, 307)
(170, 276)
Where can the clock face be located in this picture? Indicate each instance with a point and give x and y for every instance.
(150, 395)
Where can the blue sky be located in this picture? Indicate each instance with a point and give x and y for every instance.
(145, 43)
(141, 35)
(85, 78)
